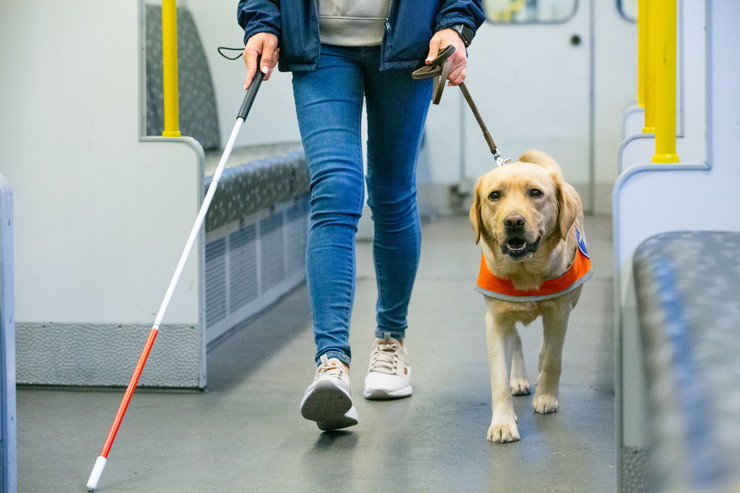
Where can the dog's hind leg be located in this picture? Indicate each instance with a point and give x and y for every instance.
(550, 362)
(519, 380)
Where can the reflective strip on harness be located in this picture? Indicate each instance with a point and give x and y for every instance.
(503, 289)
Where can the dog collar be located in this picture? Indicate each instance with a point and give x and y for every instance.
(579, 272)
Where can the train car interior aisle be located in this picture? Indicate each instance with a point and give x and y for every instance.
(245, 432)
(115, 119)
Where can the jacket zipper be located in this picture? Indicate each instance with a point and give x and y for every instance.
(387, 19)
(387, 33)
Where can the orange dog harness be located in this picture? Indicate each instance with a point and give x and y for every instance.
(579, 272)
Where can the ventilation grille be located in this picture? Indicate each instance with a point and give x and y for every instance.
(273, 258)
(243, 267)
(215, 281)
(296, 233)
(249, 266)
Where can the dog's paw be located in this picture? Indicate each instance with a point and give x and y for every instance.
(545, 403)
(520, 386)
(503, 433)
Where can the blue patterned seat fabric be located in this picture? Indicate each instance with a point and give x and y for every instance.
(688, 291)
(255, 178)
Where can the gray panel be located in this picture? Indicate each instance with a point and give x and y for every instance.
(105, 355)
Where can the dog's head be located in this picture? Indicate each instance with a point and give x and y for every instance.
(521, 205)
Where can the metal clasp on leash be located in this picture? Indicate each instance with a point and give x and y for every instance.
(439, 70)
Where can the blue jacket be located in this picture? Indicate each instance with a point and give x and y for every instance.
(409, 27)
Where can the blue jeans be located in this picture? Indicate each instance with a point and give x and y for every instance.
(329, 105)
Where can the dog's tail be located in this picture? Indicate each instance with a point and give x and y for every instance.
(539, 157)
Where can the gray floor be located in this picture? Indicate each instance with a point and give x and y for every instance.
(246, 434)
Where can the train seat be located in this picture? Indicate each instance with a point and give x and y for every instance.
(258, 175)
(267, 175)
(687, 286)
(261, 202)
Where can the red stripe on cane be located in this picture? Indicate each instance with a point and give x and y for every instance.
(129, 392)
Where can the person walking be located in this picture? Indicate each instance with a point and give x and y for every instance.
(343, 54)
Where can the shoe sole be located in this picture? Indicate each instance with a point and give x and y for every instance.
(381, 394)
(329, 406)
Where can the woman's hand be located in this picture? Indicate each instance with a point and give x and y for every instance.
(458, 60)
(261, 44)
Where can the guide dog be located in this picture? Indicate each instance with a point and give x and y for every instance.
(529, 224)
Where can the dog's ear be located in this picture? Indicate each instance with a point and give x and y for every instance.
(568, 206)
(474, 214)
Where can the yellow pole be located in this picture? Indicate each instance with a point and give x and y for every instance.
(641, 42)
(665, 83)
(169, 69)
(652, 38)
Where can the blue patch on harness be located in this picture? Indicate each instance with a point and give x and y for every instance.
(581, 243)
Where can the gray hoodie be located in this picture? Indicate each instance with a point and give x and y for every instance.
(353, 22)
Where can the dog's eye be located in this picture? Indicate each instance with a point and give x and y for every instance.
(536, 193)
(495, 195)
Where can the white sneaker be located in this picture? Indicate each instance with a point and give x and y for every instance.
(328, 400)
(389, 375)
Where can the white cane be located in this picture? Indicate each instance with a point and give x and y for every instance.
(97, 471)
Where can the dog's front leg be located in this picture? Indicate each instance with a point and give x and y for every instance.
(550, 362)
(500, 342)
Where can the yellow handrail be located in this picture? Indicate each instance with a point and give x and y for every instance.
(665, 83)
(169, 69)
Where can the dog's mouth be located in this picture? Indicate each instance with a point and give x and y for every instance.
(518, 248)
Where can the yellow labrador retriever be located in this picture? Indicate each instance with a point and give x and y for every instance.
(529, 223)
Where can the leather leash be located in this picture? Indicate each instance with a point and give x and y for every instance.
(439, 70)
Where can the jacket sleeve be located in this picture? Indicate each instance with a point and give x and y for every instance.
(452, 12)
(259, 16)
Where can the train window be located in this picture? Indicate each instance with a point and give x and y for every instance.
(628, 9)
(529, 11)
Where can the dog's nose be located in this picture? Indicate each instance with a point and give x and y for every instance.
(514, 221)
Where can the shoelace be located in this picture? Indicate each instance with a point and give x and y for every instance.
(331, 369)
(384, 358)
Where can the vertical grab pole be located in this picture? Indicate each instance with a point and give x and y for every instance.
(169, 69)
(665, 82)
(652, 38)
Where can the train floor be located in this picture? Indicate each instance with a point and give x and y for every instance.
(245, 433)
